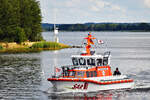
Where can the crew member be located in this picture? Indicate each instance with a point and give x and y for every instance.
(117, 72)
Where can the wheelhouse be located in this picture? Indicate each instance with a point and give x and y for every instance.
(85, 72)
(94, 60)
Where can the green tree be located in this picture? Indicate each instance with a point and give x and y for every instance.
(144, 26)
(9, 10)
(31, 19)
(20, 35)
(25, 14)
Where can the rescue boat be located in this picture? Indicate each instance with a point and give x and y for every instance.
(90, 71)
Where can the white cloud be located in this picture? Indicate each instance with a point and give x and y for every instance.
(101, 4)
(94, 8)
(147, 3)
(72, 3)
(97, 5)
(116, 7)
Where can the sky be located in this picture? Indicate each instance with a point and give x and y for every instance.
(98, 11)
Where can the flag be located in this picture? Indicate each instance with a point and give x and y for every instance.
(58, 69)
(100, 41)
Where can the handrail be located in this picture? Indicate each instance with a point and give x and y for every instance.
(81, 66)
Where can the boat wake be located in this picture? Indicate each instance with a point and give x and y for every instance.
(144, 87)
(99, 95)
(142, 83)
(137, 88)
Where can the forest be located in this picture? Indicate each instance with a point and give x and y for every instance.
(20, 20)
(99, 27)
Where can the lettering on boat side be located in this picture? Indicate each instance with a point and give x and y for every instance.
(80, 86)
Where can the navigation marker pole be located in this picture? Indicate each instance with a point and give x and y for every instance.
(56, 34)
(56, 39)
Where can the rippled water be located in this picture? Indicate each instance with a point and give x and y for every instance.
(20, 76)
(24, 76)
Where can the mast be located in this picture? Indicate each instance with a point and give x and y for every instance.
(89, 42)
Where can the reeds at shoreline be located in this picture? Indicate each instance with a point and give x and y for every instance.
(32, 47)
(48, 45)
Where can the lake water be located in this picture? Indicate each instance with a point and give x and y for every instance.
(24, 76)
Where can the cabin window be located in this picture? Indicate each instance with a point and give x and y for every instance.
(99, 62)
(66, 73)
(105, 61)
(87, 74)
(75, 61)
(80, 74)
(92, 74)
(82, 61)
(72, 73)
(95, 73)
(63, 70)
(91, 61)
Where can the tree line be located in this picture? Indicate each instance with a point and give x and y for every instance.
(100, 27)
(20, 20)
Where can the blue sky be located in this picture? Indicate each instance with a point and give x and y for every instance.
(82, 11)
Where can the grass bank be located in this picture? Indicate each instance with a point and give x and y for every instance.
(1, 47)
(30, 47)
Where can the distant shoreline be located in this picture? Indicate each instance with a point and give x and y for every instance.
(97, 31)
(127, 27)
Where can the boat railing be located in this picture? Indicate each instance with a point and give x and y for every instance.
(78, 66)
(107, 53)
